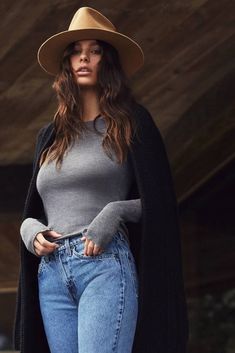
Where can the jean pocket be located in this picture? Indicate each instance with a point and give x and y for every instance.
(107, 253)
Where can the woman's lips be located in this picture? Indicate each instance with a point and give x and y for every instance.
(83, 73)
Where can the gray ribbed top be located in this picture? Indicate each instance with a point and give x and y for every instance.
(88, 193)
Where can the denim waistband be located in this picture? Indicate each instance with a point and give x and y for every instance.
(75, 239)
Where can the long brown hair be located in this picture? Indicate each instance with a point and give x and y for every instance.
(116, 103)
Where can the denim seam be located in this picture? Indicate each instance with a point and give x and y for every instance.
(68, 281)
(133, 274)
(122, 299)
(41, 266)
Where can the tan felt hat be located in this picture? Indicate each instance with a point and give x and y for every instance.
(88, 23)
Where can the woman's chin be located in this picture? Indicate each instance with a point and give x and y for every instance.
(86, 85)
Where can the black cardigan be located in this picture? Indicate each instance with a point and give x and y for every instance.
(162, 325)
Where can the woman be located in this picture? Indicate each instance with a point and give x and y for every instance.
(89, 281)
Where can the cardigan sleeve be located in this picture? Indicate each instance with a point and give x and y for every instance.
(108, 220)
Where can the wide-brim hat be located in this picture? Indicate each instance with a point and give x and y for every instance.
(88, 23)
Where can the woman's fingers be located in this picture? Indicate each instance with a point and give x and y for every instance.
(90, 248)
(54, 234)
(45, 243)
(97, 250)
(43, 246)
(48, 234)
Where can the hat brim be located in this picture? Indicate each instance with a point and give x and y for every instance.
(50, 52)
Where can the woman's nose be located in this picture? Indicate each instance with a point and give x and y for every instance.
(84, 57)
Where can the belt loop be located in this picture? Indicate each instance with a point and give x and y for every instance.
(67, 247)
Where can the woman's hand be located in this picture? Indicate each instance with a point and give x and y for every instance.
(43, 246)
(90, 248)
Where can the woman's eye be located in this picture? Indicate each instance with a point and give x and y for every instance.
(97, 51)
(75, 51)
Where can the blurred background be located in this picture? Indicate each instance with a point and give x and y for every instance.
(188, 85)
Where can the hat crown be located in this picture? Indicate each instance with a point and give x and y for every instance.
(86, 17)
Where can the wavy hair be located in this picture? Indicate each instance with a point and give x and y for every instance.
(116, 103)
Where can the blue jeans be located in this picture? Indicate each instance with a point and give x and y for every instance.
(89, 304)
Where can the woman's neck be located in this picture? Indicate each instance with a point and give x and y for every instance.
(90, 104)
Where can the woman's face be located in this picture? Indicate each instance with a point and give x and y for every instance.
(87, 55)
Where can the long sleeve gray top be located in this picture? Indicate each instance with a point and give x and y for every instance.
(87, 195)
